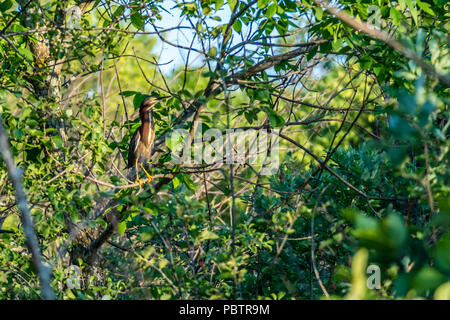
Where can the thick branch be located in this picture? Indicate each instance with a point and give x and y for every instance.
(386, 38)
(43, 271)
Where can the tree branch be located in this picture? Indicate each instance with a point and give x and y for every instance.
(386, 38)
(14, 173)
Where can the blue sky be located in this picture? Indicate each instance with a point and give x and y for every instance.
(172, 18)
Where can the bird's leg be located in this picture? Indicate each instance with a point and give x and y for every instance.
(141, 182)
(137, 173)
(149, 177)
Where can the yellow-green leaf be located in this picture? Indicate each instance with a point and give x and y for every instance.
(11, 222)
(121, 228)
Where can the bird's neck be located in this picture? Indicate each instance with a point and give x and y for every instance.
(145, 129)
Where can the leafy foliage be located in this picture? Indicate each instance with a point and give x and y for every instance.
(363, 132)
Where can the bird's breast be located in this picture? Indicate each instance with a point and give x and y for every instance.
(146, 134)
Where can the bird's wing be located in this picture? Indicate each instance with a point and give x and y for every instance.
(133, 147)
(152, 138)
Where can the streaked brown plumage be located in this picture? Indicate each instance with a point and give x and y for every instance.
(141, 144)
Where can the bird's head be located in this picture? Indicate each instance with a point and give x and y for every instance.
(148, 104)
(146, 108)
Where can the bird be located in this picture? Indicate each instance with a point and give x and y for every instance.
(141, 144)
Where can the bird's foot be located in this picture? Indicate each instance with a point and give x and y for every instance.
(140, 181)
(149, 177)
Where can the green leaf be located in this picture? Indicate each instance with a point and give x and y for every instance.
(174, 140)
(425, 112)
(118, 11)
(325, 47)
(337, 44)
(218, 4)
(271, 10)
(395, 15)
(31, 123)
(176, 182)
(365, 62)
(6, 5)
(212, 53)
(58, 141)
(262, 94)
(121, 227)
(138, 98)
(443, 292)
(237, 26)
(232, 4)
(208, 235)
(248, 117)
(17, 94)
(138, 21)
(128, 93)
(312, 52)
(318, 12)
(427, 279)
(189, 183)
(26, 53)
(442, 253)
(17, 133)
(275, 119)
(359, 266)
(106, 23)
(263, 3)
(11, 222)
(412, 9)
(425, 7)
(397, 155)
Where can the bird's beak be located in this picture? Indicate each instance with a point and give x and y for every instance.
(153, 102)
(148, 104)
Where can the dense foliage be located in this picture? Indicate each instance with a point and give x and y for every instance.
(362, 125)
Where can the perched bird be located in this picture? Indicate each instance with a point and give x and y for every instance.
(141, 144)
